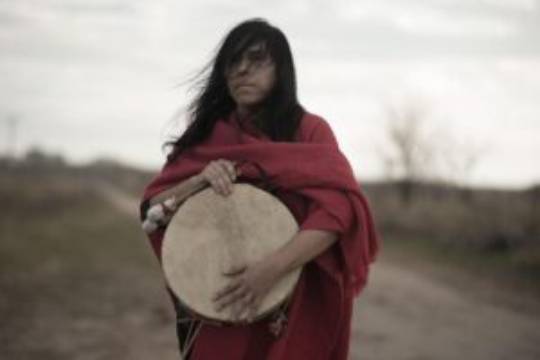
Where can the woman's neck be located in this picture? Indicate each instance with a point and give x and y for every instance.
(245, 112)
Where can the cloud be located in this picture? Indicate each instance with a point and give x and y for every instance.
(426, 20)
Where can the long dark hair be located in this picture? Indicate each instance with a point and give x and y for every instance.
(281, 112)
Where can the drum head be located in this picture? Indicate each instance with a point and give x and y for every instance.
(211, 233)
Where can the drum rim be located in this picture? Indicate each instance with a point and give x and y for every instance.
(198, 316)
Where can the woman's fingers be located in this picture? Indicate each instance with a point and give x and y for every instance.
(253, 308)
(216, 185)
(229, 168)
(227, 175)
(246, 308)
(235, 270)
(217, 180)
(222, 185)
(233, 286)
(221, 174)
(242, 305)
(231, 298)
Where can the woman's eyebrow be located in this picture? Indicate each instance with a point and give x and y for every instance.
(256, 48)
(256, 51)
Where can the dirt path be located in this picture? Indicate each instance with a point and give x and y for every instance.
(405, 314)
(120, 200)
(152, 335)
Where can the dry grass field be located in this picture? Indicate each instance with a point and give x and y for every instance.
(77, 278)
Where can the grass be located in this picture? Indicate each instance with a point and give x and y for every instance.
(503, 270)
(78, 230)
(69, 265)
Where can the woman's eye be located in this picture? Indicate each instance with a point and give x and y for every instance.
(257, 57)
(233, 63)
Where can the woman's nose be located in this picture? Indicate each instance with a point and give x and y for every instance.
(243, 65)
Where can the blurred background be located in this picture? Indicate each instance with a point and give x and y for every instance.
(435, 103)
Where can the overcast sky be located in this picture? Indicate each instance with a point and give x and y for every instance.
(98, 78)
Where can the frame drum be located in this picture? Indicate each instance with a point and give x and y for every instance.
(210, 234)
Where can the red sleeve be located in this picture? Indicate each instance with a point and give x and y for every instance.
(319, 219)
(317, 130)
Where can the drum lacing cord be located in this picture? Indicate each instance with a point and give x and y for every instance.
(193, 322)
(279, 321)
(277, 324)
(193, 330)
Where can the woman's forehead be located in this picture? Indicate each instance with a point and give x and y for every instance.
(257, 47)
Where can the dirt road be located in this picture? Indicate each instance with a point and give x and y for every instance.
(404, 313)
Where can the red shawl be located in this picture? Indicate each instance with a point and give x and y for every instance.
(313, 168)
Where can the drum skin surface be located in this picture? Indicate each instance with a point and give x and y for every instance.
(210, 234)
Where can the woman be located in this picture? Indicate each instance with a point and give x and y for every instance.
(247, 108)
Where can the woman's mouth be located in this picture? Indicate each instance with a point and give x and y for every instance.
(244, 86)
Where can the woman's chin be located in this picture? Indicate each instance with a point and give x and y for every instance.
(248, 102)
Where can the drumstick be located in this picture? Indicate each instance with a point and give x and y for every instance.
(163, 205)
(181, 191)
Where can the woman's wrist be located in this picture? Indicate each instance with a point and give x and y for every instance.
(278, 264)
(274, 270)
(283, 261)
(196, 179)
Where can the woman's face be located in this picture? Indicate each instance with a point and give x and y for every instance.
(251, 78)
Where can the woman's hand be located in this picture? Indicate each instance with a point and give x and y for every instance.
(248, 287)
(250, 284)
(220, 174)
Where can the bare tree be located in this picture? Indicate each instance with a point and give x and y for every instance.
(457, 159)
(408, 156)
(416, 152)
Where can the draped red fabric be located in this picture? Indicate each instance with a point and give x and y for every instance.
(315, 180)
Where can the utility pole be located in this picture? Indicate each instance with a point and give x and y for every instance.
(12, 124)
